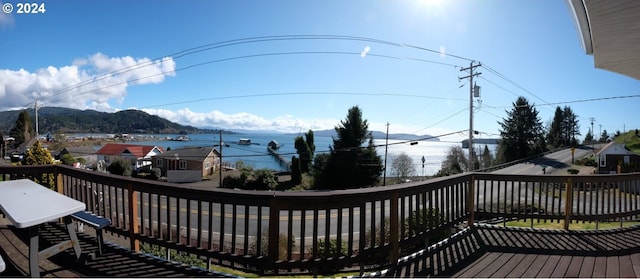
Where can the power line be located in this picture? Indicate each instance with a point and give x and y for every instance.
(216, 45)
(577, 101)
(512, 82)
(234, 42)
(381, 94)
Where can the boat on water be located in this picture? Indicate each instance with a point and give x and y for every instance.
(181, 138)
(244, 142)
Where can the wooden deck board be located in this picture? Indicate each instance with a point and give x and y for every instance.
(115, 262)
(586, 270)
(509, 266)
(562, 267)
(599, 267)
(549, 266)
(574, 267)
(613, 267)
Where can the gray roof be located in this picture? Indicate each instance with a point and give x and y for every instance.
(188, 153)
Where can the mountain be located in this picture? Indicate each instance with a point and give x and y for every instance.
(66, 120)
(378, 135)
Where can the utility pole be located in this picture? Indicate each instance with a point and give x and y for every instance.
(471, 88)
(386, 147)
(35, 107)
(593, 145)
(220, 185)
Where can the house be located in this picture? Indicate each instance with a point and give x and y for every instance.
(615, 154)
(188, 164)
(139, 155)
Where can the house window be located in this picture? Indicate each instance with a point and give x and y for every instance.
(207, 165)
(183, 164)
(159, 163)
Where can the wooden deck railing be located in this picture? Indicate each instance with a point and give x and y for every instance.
(322, 231)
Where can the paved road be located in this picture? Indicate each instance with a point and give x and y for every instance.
(556, 160)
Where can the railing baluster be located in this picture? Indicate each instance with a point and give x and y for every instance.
(159, 218)
(246, 229)
(351, 232)
(290, 238)
(223, 217)
(199, 230)
(303, 233)
(327, 233)
(234, 229)
(315, 234)
(339, 232)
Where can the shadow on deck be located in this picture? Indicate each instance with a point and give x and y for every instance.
(115, 261)
(493, 251)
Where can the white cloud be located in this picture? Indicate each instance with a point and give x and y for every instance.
(285, 123)
(242, 120)
(89, 83)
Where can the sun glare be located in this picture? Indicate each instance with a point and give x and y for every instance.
(431, 3)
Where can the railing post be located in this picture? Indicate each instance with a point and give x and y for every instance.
(59, 182)
(133, 218)
(471, 200)
(274, 232)
(394, 229)
(568, 204)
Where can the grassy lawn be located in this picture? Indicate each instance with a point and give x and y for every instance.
(573, 226)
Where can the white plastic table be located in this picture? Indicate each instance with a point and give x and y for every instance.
(27, 205)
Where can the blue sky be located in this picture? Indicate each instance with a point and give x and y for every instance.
(296, 65)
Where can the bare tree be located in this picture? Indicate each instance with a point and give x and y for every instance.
(402, 166)
(455, 162)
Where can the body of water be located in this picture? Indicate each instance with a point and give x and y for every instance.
(257, 156)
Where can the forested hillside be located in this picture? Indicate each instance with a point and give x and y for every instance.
(65, 120)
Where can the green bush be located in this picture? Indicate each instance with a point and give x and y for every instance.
(119, 167)
(182, 257)
(573, 171)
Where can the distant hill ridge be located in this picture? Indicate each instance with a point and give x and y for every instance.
(380, 135)
(66, 120)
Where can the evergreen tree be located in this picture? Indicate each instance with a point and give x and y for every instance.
(305, 148)
(310, 139)
(554, 137)
(23, 131)
(304, 153)
(588, 138)
(570, 126)
(522, 133)
(487, 158)
(353, 161)
(564, 128)
(604, 137)
(296, 172)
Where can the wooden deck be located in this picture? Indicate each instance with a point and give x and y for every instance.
(115, 262)
(493, 251)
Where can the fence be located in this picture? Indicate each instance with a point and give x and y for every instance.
(326, 231)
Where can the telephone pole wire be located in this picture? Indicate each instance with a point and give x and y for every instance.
(471, 89)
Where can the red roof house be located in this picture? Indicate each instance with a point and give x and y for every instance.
(138, 155)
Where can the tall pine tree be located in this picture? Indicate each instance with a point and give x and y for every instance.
(353, 161)
(23, 131)
(522, 133)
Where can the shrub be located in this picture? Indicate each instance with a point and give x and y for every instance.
(573, 171)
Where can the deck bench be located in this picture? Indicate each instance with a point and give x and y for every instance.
(97, 222)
